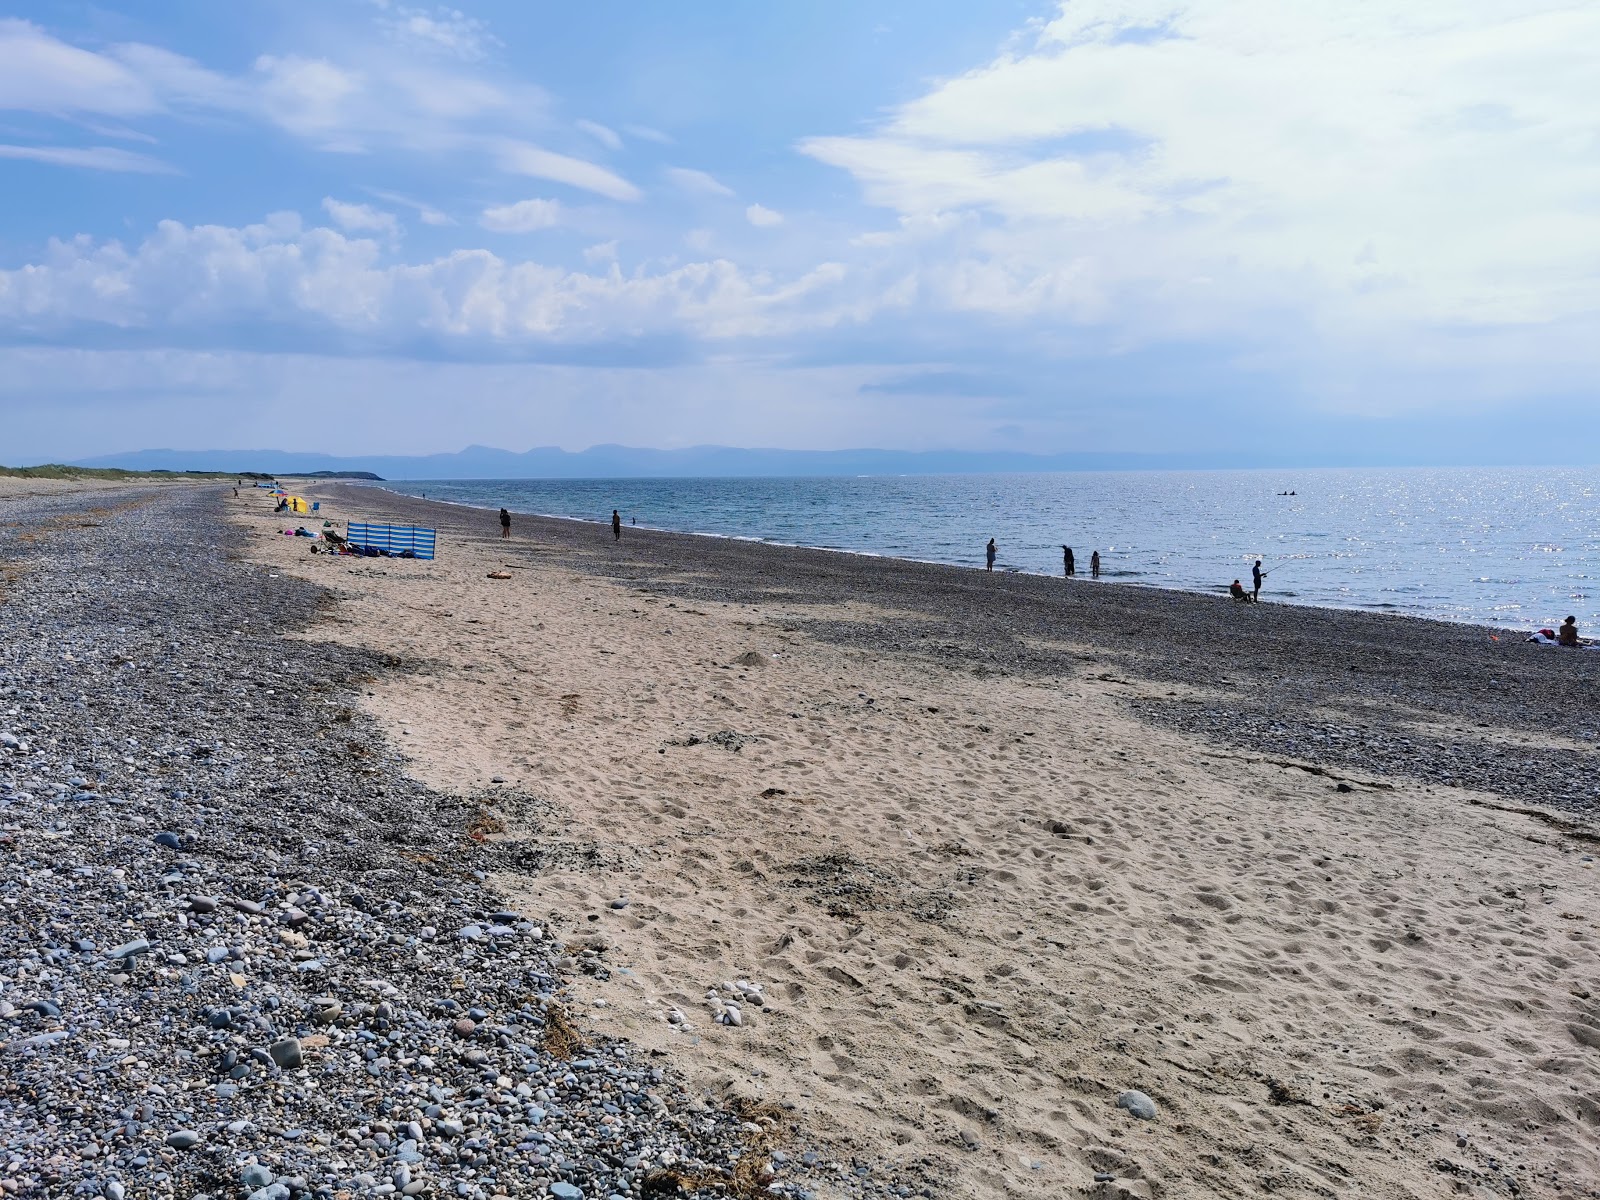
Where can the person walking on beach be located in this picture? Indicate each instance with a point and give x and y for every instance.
(1068, 567)
(505, 523)
(1256, 574)
(988, 554)
(616, 525)
(1094, 565)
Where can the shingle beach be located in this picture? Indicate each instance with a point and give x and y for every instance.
(682, 863)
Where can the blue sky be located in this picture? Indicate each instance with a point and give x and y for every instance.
(376, 227)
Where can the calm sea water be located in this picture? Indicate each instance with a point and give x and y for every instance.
(1512, 547)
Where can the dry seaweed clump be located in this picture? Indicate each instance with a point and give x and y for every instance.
(561, 1037)
(764, 1126)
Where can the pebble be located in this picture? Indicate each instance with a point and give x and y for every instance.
(256, 1176)
(565, 1191)
(290, 1016)
(1138, 1104)
(286, 1053)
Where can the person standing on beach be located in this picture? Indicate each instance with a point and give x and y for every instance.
(505, 523)
(1256, 574)
(1069, 568)
(616, 525)
(989, 552)
(1094, 565)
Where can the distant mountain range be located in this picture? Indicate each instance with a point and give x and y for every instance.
(620, 462)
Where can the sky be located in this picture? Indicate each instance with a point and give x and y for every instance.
(1215, 226)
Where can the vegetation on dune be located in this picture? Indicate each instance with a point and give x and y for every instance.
(62, 471)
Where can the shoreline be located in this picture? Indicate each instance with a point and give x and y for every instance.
(1322, 670)
(994, 859)
(1107, 580)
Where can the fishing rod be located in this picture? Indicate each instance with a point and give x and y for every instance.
(1287, 560)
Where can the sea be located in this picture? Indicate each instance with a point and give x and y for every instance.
(1513, 548)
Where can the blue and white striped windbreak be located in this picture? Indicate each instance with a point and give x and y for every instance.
(396, 539)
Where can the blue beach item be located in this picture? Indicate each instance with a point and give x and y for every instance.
(392, 540)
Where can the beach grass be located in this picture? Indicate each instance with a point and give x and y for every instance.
(63, 471)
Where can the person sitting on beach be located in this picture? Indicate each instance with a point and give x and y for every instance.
(1567, 635)
(1236, 590)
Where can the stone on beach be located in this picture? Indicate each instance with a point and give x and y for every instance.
(1138, 1104)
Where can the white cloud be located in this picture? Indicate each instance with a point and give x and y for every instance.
(444, 29)
(648, 134)
(600, 252)
(1175, 167)
(697, 183)
(40, 73)
(605, 136)
(426, 213)
(178, 80)
(389, 100)
(322, 283)
(524, 159)
(525, 216)
(95, 158)
(120, 132)
(360, 218)
(762, 216)
(305, 95)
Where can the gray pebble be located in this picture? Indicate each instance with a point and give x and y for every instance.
(1138, 1104)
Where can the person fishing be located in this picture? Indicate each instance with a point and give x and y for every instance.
(1256, 576)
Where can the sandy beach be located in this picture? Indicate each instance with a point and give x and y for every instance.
(997, 850)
